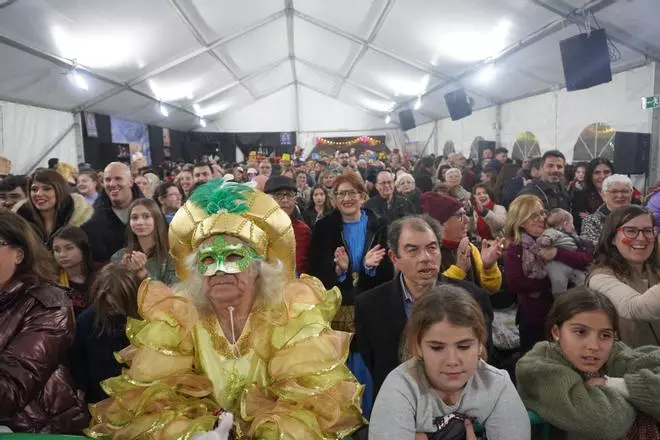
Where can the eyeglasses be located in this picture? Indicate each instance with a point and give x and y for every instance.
(619, 192)
(386, 183)
(632, 232)
(346, 194)
(538, 215)
(461, 215)
(279, 196)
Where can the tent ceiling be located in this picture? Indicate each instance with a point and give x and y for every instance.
(212, 57)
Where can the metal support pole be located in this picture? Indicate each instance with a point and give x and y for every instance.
(52, 146)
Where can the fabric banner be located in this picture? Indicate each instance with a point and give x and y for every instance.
(166, 137)
(131, 132)
(90, 123)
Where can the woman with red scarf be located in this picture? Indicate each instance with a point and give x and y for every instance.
(488, 219)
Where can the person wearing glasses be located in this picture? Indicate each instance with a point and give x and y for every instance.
(388, 203)
(283, 189)
(525, 223)
(626, 271)
(617, 191)
(461, 259)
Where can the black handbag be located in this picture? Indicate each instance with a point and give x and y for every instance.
(449, 427)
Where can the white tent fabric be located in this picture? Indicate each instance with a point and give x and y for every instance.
(556, 118)
(27, 133)
(320, 68)
(214, 58)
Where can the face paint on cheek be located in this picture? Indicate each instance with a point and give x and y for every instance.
(225, 257)
(627, 241)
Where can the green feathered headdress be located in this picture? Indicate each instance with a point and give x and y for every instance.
(222, 195)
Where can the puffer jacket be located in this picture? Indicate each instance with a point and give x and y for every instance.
(37, 329)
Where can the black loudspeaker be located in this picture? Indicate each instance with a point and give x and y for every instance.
(631, 152)
(407, 120)
(458, 104)
(586, 60)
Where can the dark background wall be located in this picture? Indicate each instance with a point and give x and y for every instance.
(185, 146)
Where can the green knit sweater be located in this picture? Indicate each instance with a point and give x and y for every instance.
(551, 387)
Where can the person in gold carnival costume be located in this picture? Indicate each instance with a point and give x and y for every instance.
(238, 334)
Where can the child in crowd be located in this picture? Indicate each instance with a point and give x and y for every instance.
(560, 233)
(446, 387)
(101, 329)
(74, 258)
(586, 383)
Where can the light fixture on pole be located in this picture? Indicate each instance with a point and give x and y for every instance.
(418, 103)
(202, 122)
(388, 119)
(163, 110)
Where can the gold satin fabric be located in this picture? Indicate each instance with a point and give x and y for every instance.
(285, 378)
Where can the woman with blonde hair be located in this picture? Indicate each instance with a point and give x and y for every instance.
(445, 384)
(525, 273)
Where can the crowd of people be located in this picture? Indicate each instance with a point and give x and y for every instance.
(396, 297)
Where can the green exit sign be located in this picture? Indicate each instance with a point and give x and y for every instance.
(651, 102)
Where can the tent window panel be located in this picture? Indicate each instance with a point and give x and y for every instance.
(449, 148)
(474, 149)
(526, 146)
(596, 140)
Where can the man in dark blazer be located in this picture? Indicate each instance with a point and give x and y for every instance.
(382, 312)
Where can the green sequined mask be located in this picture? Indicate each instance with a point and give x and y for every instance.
(225, 257)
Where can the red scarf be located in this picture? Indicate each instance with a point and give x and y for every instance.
(450, 244)
(483, 230)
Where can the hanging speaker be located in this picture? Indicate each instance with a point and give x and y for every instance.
(459, 104)
(407, 120)
(586, 60)
(631, 152)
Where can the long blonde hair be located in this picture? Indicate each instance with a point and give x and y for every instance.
(520, 210)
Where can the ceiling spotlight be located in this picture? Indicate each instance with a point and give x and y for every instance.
(163, 110)
(388, 119)
(78, 80)
(202, 122)
(487, 74)
(197, 108)
(418, 103)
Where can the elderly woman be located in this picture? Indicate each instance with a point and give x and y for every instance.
(405, 185)
(617, 192)
(239, 335)
(453, 177)
(37, 329)
(626, 271)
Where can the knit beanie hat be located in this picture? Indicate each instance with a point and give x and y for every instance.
(438, 206)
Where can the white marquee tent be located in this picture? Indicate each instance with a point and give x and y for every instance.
(319, 68)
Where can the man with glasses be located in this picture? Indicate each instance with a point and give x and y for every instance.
(461, 259)
(388, 203)
(283, 189)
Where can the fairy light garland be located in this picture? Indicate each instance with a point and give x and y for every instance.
(358, 140)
